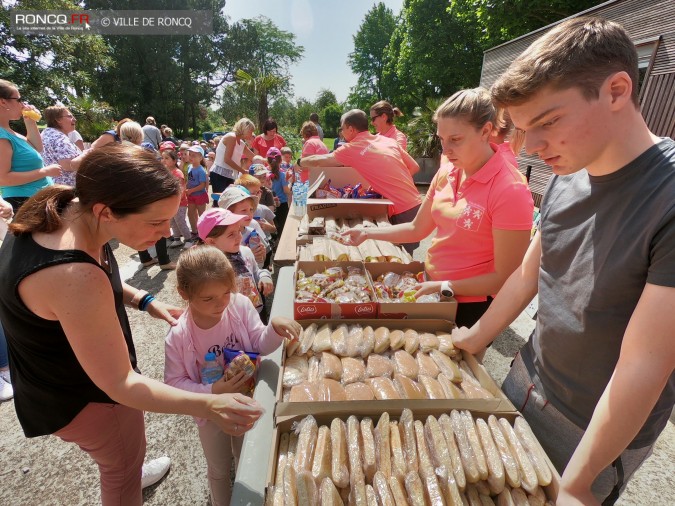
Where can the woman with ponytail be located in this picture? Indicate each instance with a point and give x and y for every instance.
(72, 356)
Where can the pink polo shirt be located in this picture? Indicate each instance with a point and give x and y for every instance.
(379, 160)
(397, 135)
(495, 197)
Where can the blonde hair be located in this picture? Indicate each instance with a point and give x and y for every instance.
(132, 132)
(241, 126)
(201, 264)
(473, 106)
(248, 181)
(579, 53)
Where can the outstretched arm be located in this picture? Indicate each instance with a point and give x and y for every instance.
(320, 161)
(645, 365)
(514, 296)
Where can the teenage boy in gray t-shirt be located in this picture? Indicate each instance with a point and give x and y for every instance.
(596, 379)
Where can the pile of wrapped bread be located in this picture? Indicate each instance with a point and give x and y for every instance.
(451, 460)
(334, 285)
(324, 249)
(327, 225)
(339, 362)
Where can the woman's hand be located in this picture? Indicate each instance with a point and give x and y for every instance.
(52, 170)
(235, 414)
(238, 384)
(427, 288)
(461, 336)
(266, 286)
(6, 210)
(286, 327)
(259, 253)
(354, 236)
(165, 312)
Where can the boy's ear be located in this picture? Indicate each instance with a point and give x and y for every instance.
(619, 86)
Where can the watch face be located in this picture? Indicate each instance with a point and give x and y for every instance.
(447, 293)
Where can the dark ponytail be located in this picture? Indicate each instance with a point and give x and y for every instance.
(123, 178)
(42, 212)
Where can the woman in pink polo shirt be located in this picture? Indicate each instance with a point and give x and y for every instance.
(382, 116)
(479, 205)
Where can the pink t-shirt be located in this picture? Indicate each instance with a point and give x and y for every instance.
(379, 160)
(495, 197)
(262, 145)
(314, 146)
(397, 135)
(179, 174)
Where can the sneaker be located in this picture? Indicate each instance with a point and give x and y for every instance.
(168, 267)
(6, 390)
(188, 244)
(150, 262)
(154, 471)
(5, 375)
(176, 243)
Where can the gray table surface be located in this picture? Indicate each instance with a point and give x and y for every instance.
(250, 482)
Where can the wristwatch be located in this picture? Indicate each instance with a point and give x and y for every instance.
(446, 290)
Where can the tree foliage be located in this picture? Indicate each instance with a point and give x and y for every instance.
(370, 43)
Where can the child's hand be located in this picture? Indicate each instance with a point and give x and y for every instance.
(286, 327)
(267, 226)
(259, 253)
(236, 384)
(266, 286)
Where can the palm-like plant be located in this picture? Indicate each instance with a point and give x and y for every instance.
(421, 131)
(261, 85)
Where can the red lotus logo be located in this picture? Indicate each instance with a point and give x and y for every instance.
(364, 309)
(306, 309)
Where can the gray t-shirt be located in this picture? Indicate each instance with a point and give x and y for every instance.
(603, 238)
(152, 134)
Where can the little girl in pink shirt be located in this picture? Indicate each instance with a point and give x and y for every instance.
(216, 318)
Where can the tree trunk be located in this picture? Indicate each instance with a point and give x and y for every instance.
(263, 110)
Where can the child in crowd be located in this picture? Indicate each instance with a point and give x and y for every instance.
(223, 229)
(261, 173)
(217, 318)
(239, 200)
(197, 182)
(179, 225)
(287, 162)
(263, 214)
(281, 189)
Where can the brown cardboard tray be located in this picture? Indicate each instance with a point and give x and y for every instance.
(499, 404)
(420, 412)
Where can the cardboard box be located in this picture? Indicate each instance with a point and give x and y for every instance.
(318, 310)
(446, 309)
(499, 404)
(421, 412)
(347, 208)
(338, 176)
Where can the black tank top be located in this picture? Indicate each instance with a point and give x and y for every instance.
(50, 386)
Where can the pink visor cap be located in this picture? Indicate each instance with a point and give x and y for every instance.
(214, 217)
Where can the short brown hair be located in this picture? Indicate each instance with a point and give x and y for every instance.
(384, 107)
(473, 106)
(309, 129)
(200, 264)
(581, 52)
(53, 114)
(355, 118)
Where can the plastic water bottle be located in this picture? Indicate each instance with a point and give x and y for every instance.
(211, 371)
(253, 240)
(297, 199)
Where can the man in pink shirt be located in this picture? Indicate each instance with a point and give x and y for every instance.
(381, 161)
